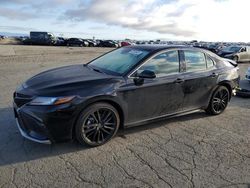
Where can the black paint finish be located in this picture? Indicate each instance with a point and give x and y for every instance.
(136, 103)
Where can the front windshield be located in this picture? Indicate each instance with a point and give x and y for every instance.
(233, 49)
(119, 61)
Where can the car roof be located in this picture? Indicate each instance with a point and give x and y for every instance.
(154, 47)
(160, 47)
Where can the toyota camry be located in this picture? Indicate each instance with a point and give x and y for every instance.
(126, 87)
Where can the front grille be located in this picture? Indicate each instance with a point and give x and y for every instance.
(21, 99)
(20, 95)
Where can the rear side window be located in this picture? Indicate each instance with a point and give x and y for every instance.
(195, 61)
(210, 62)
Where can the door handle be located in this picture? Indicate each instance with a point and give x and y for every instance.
(179, 80)
(213, 75)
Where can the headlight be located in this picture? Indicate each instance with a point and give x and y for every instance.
(51, 100)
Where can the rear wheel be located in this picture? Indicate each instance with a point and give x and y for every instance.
(219, 101)
(97, 124)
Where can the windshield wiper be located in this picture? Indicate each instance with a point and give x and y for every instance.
(97, 70)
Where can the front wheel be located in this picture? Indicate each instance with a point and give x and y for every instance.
(219, 101)
(97, 124)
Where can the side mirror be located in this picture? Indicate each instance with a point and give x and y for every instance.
(139, 80)
(147, 74)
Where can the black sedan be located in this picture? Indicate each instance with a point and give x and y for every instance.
(108, 43)
(129, 86)
(77, 42)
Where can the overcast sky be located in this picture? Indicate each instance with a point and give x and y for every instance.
(209, 20)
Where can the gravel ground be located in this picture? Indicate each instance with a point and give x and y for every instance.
(195, 150)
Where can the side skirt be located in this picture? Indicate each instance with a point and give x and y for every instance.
(167, 116)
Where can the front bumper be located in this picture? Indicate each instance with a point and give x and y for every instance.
(31, 127)
(45, 124)
(27, 136)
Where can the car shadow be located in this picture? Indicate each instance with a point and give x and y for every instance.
(162, 122)
(15, 149)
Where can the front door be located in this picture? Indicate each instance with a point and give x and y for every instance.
(158, 96)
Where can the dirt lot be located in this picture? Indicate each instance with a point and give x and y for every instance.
(8, 41)
(191, 151)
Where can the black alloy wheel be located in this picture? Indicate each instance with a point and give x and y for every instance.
(219, 101)
(97, 124)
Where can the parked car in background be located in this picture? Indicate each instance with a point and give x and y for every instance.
(76, 42)
(229, 50)
(212, 48)
(41, 38)
(125, 43)
(91, 102)
(22, 38)
(91, 43)
(108, 43)
(237, 53)
(60, 41)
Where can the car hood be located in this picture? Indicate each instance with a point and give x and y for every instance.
(64, 77)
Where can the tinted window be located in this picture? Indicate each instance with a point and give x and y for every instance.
(195, 60)
(163, 64)
(119, 61)
(210, 62)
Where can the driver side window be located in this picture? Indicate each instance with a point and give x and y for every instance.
(163, 64)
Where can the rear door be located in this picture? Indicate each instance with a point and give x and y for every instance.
(200, 78)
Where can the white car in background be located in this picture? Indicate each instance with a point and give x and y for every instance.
(237, 53)
(248, 74)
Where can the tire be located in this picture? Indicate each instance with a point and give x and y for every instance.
(218, 101)
(236, 59)
(97, 124)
